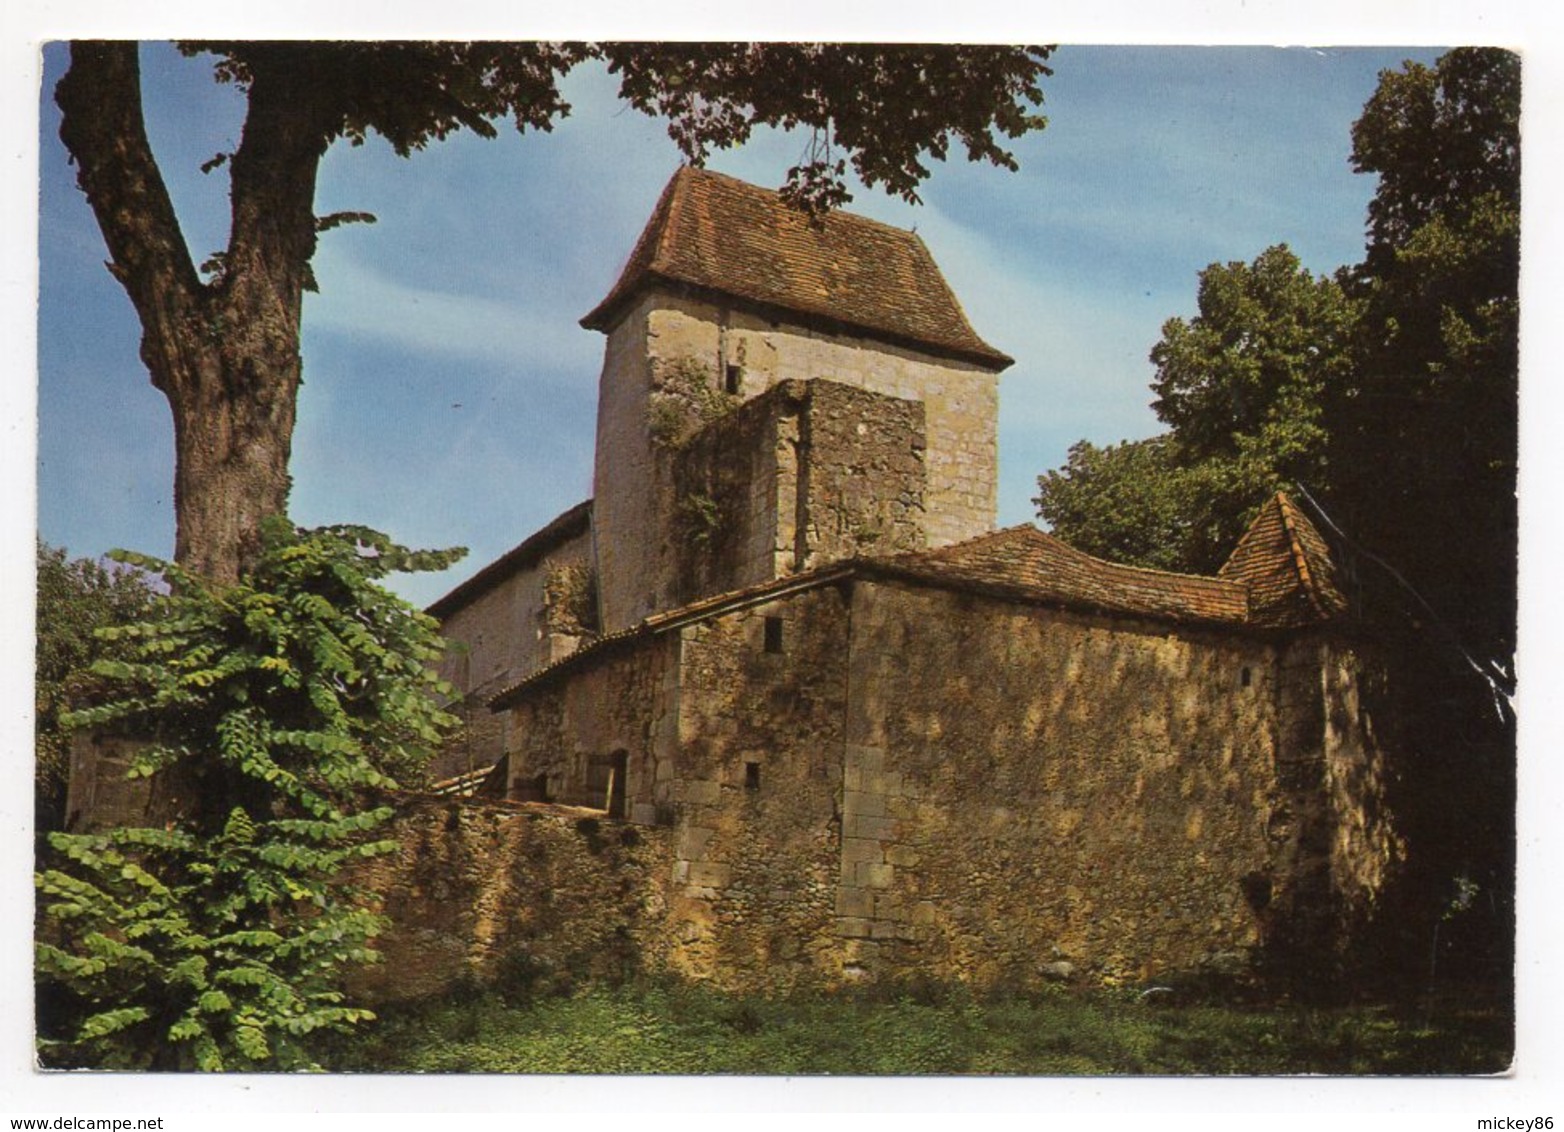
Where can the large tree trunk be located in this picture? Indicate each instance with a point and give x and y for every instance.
(224, 353)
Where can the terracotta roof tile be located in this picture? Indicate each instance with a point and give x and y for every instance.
(1040, 567)
(1280, 576)
(722, 235)
(1287, 566)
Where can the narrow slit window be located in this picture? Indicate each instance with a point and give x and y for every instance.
(752, 776)
(1245, 678)
(773, 634)
(734, 379)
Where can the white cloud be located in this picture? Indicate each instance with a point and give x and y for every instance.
(360, 302)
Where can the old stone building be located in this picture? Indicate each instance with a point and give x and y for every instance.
(843, 727)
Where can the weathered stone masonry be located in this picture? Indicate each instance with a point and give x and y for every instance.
(817, 722)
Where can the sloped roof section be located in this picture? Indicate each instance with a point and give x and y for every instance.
(1280, 576)
(1027, 563)
(726, 237)
(1287, 567)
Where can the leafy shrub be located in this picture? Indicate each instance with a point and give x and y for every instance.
(75, 599)
(275, 707)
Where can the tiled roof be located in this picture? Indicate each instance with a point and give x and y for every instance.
(1287, 567)
(520, 557)
(731, 238)
(1027, 563)
(1279, 577)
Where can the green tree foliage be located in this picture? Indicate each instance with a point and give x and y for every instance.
(1393, 390)
(1127, 502)
(284, 703)
(1423, 458)
(75, 599)
(1425, 436)
(1241, 388)
(225, 349)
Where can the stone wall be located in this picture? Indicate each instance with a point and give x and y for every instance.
(569, 729)
(628, 502)
(875, 779)
(864, 471)
(500, 636)
(1024, 786)
(1336, 845)
(488, 890)
(809, 472)
(734, 493)
(756, 791)
(961, 401)
(636, 508)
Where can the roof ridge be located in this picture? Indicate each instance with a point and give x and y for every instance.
(970, 540)
(678, 189)
(1300, 560)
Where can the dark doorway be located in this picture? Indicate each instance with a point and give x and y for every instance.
(606, 783)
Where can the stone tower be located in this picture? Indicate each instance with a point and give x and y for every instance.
(727, 296)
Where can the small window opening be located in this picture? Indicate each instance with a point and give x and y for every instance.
(734, 379)
(1244, 678)
(606, 783)
(773, 634)
(752, 776)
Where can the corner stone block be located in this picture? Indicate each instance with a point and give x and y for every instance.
(692, 842)
(858, 849)
(852, 927)
(855, 803)
(709, 874)
(858, 757)
(874, 828)
(702, 792)
(871, 875)
(857, 903)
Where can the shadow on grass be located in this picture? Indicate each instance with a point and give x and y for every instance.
(669, 1027)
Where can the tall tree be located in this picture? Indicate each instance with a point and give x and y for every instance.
(1394, 389)
(1425, 436)
(225, 350)
(216, 939)
(1423, 456)
(1240, 387)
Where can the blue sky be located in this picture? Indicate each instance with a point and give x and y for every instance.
(449, 393)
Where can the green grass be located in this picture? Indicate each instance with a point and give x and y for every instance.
(683, 1029)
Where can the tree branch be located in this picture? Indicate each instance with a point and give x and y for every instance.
(273, 171)
(102, 128)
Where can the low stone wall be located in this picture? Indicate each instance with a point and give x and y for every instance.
(488, 889)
